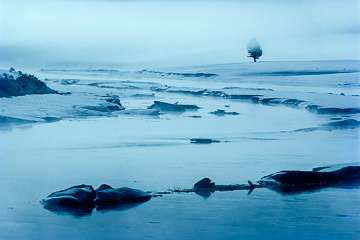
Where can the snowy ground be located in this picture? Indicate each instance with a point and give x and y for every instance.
(291, 115)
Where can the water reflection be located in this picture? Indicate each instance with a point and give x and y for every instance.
(87, 209)
(282, 189)
(292, 190)
(120, 206)
(74, 210)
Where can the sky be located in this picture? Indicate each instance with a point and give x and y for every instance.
(175, 32)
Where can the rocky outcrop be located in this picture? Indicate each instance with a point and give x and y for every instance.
(82, 199)
(20, 84)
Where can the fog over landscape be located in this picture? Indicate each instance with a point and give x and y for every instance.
(175, 33)
(171, 119)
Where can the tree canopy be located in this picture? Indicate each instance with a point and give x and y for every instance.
(254, 49)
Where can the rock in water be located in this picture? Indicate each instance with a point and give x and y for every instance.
(296, 181)
(80, 200)
(205, 187)
(221, 113)
(106, 193)
(203, 140)
(170, 107)
(204, 183)
(76, 200)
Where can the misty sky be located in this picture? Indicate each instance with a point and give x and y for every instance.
(175, 32)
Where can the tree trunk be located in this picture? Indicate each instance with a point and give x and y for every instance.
(254, 59)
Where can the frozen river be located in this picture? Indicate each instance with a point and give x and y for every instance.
(154, 153)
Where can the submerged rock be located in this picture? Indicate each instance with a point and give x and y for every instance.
(203, 140)
(221, 112)
(335, 125)
(105, 108)
(146, 112)
(337, 110)
(197, 74)
(172, 107)
(195, 116)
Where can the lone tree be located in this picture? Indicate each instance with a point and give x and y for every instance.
(254, 49)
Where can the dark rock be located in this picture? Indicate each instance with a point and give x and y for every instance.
(221, 112)
(203, 140)
(82, 199)
(193, 74)
(172, 107)
(205, 187)
(105, 193)
(337, 110)
(24, 84)
(298, 181)
(80, 194)
(312, 177)
(270, 100)
(116, 101)
(105, 108)
(251, 97)
(204, 183)
(336, 118)
(115, 108)
(195, 116)
(76, 200)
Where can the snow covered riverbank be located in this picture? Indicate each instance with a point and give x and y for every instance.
(107, 92)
